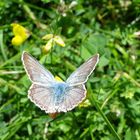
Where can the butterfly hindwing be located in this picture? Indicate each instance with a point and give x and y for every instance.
(71, 98)
(74, 96)
(43, 97)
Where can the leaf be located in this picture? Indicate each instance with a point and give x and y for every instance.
(130, 135)
(85, 54)
(103, 61)
(95, 43)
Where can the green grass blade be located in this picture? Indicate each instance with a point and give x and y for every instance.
(114, 133)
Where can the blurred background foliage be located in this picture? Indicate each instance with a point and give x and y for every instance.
(108, 27)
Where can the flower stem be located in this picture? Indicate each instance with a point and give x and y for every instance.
(32, 15)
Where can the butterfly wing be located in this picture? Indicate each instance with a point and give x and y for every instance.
(73, 96)
(41, 91)
(36, 72)
(80, 76)
(76, 91)
(45, 98)
(42, 96)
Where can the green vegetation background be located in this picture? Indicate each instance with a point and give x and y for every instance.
(108, 27)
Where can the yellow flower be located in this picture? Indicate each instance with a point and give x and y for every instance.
(47, 37)
(20, 34)
(52, 40)
(57, 78)
(17, 40)
(59, 41)
(48, 46)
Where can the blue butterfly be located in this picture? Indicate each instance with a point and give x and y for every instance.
(51, 95)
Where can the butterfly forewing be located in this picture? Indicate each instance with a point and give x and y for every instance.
(36, 72)
(80, 76)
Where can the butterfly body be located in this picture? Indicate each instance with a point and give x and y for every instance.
(53, 96)
(59, 92)
(60, 88)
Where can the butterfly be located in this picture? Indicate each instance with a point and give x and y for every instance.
(53, 96)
